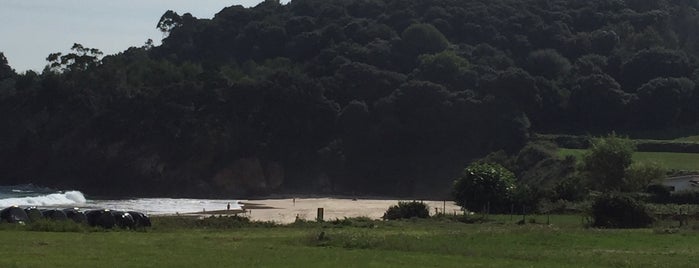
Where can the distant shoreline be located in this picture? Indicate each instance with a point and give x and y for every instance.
(288, 210)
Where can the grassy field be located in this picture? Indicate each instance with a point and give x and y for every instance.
(689, 138)
(678, 161)
(412, 243)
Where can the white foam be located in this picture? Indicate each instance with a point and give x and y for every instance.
(160, 206)
(157, 206)
(57, 199)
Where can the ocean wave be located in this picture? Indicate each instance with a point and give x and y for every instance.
(56, 199)
(165, 206)
(30, 195)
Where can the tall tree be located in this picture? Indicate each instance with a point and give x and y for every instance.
(605, 163)
(5, 70)
(547, 63)
(169, 21)
(484, 187)
(661, 101)
(652, 63)
(80, 59)
(423, 39)
(598, 102)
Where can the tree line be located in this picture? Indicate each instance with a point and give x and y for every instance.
(345, 96)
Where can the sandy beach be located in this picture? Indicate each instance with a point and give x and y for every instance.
(286, 210)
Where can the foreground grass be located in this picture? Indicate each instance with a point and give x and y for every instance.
(677, 161)
(413, 243)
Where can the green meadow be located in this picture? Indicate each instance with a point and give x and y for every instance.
(688, 139)
(677, 161)
(348, 243)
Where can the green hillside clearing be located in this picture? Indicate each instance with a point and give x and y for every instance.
(677, 161)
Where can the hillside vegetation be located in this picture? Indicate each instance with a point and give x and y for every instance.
(672, 161)
(345, 96)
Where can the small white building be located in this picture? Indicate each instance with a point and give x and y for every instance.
(682, 183)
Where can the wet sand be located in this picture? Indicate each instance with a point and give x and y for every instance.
(286, 210)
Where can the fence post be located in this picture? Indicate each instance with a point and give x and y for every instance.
(444, 206)
(319, 217)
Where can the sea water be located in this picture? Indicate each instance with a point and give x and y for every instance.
(42, 197)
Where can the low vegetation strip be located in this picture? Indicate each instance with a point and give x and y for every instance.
(681, 145)
(676, 161)
(667, 146)
(689, 138)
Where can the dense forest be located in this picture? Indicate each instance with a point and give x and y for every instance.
(383, 97)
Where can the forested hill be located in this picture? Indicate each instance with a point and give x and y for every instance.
(387, 97)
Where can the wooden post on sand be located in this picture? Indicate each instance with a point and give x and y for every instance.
(319, 217)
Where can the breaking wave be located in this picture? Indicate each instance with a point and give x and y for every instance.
(29, 195)
(55, 199)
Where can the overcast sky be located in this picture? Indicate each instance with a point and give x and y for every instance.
(32, 29)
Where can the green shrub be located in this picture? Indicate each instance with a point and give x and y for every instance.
(570, 189)
(640, 174)
(407, 210)
(620, 211)
(604, 164)
(484, 187)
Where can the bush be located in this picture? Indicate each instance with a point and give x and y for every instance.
(604, 164)
(640, 174)
(620, 211)
(484, 187)
(407, 210)
(570, 189)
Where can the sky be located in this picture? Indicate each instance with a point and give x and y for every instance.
(32, 29)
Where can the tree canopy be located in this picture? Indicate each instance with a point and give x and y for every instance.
(483, 186)
(606, 162)
(345, 96)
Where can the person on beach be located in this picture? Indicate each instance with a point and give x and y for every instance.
(228, 207)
